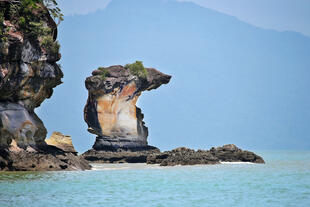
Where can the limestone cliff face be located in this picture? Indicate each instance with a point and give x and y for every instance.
(28, 74)
(111, 112)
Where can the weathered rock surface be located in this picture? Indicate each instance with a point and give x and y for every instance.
(111, 111)
(182, 156)
(185, 156)
(28, 74)
(61, 141)
(120, 155)
(231, 153)
(47, 158)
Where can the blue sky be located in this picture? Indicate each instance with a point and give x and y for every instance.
(281, 15)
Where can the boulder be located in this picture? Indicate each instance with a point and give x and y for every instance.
(61, 141)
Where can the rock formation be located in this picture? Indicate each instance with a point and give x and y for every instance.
(111, 112)
(112, 115)
(61, 141)
(185, 156)
(231, 153)
(28, 73)
(182, 156)
(121, 155)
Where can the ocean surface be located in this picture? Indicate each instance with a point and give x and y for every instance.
(283, 181)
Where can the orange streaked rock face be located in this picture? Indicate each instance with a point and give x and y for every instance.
(111, 111)
(117, 114)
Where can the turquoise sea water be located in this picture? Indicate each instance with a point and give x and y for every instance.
(283, 181)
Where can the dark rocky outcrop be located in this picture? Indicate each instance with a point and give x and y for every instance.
(185, 156)
(111, 113)
(120, 155)
(231, 153)
(47, 158)
(182, 156)
(28, 73)
(178, 156)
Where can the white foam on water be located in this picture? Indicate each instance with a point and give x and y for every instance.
(123, 166)
(137, 166)
(237, 163)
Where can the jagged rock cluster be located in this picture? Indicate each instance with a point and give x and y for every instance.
(28, 74)
(178, 156)
(185, 156)
(111, 112)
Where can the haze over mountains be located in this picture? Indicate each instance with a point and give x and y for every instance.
(231, 82)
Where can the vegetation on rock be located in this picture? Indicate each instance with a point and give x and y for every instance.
(50, 45)
(137, 69)
(31, 18)
(104, 73)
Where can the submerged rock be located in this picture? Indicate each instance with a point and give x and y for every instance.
(111, 112)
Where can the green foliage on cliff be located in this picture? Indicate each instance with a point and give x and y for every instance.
(29, 15)
(137, 69)
(50, 45)
(104, 73)
(32, 18)
(54, 10)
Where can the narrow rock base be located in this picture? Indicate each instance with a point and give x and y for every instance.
(120, 155)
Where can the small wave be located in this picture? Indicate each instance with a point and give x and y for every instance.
(237, 163)
(122, 166)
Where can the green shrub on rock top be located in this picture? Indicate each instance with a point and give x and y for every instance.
(104, 73)
(137, 69)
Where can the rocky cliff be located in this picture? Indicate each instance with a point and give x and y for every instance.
(28, 73)
(111, 112)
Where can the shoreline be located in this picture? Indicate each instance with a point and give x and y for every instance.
(140, 166)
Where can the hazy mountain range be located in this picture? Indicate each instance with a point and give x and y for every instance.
(232, 82)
